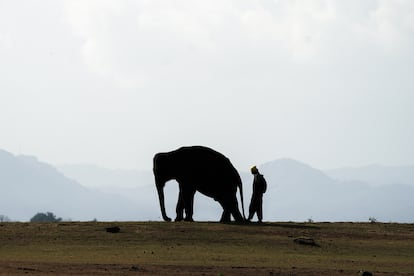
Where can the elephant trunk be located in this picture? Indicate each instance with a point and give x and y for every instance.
(160, 189)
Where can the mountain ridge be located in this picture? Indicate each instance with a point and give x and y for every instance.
(29, 186)
(375, 174)
(296, 192)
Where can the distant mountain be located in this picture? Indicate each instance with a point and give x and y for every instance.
(375, 175)
(296, 174)
(94, 176)
(296, 192)
(299, 192)
(29, 186)
(136, 186)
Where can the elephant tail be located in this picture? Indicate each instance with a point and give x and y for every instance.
(241, 198)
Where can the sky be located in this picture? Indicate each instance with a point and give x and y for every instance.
(111, 83)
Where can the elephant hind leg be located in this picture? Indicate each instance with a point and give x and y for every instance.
(180, 207)
(225, 217)
(237, 215)
(188, 196)
(230, 207)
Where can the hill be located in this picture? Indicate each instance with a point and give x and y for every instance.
(29, 186)
(375, 175)
(297, 192)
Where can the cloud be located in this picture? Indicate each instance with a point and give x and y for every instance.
(166, 73)
(136, 42)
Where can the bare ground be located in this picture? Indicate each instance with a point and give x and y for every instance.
(154, 248)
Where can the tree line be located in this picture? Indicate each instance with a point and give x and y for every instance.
(39, 217)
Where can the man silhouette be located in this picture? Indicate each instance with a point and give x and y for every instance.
(259, 188)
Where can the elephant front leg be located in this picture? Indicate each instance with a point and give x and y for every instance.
(180, 207)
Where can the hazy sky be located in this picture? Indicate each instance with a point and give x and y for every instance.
(330, 83)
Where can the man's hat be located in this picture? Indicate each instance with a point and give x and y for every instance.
(254, 169)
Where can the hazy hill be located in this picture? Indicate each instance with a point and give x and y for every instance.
(29, 186)
(94, 176)
(296, 192)
(375, 175)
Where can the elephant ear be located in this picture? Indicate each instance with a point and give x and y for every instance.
(163, 164)
(157, 161)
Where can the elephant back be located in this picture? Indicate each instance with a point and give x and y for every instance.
(208, 168)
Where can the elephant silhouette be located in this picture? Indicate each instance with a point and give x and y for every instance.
(198, 168)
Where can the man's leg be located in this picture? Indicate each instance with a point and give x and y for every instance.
(252, 208)
(260, 209)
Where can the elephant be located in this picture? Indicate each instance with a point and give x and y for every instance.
(199, 168)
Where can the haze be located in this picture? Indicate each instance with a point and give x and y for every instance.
(111, 83)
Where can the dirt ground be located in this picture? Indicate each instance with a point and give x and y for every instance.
(156, 248)
(30, 268)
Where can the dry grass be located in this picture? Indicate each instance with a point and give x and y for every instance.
(206, 248)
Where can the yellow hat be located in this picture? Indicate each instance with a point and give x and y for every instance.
(254, 169)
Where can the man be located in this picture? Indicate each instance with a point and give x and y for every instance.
(259, 188)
